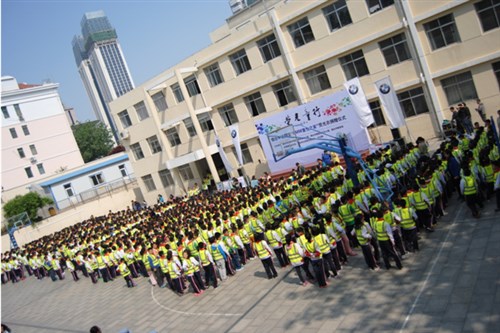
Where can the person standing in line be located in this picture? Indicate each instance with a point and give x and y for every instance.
(323, 244)
(296, 256)
(363, 233)
(408, 226)
(480, 110)
(72, 270)
(386, 241)
(125, 272)
(314, 253)
(275, 241)
(469, 189)
(265, 255)
(219, 256)
(175, 274)
(189, 265)
(208, 265)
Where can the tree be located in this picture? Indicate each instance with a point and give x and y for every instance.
(29, 203)
(94, 140)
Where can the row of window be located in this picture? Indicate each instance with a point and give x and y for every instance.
(95, 179)
(29, 172)
(17, 109)
(185, 171)
(22, 154)
(13, 132)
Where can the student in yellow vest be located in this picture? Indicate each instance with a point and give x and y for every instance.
(469, 189)
(175, 274)
(208, 265)
(419, 200)
(189, 264)
(276, 243)
(313, 252)
(154, 263)
(323, 244)
(363, 233)
(72, 270)
(245, 238)
(408, 225)
(265, 255)
(386, 241)
(125, 272)
(91, 268)
(488, 176)
(296, 256)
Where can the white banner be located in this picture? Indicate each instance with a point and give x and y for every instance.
(359, 102)
(235, 136)
(390, 102)
(223, 156)
(287, 135)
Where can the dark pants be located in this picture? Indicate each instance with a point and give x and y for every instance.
(376, 250)
(210, 275)
(235, 259)
(177, 284)
(389, 252)
(319, 271)
(75, 275)
(424, 218)
(473, 202)
(282, 258)
(341, 251)
(368, 254)
(158, 275)
(133, 271)
(498, 198)
(242, 255)
(410, 239)
(199, 281)
(249, 252)
(335, 257)
(398, 240)
(194, 285)
(52, 274)
(104, 273)
(130, 282)
(352, 239)
(93, 276)
(299, 269)
(329, 264)
(269, 267)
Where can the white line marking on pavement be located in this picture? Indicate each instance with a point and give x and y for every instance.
(407, 319)
(191, 313)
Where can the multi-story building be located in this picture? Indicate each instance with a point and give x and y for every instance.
(275, 55)
(101, 65)
(37, 140)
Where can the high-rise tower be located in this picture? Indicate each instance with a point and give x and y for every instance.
(101, 65)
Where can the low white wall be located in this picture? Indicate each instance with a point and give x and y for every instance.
(115, 202)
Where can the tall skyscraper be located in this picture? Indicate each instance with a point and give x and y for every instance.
(101, 65)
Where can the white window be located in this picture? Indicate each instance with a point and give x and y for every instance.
(240, 62)
(376, 5)
(18, 112)
(192, 85)
(269, 48)
(354, 65)
(125, 119)
(214, 75)
(159, 101)
(123, 170)
(137, 151)
(5, 112)
(69, 190)
(40, 168)
(176, 90)
(33, 150)
(142, 111)
(317, 79)
(301, 32)
(459, 88)
(205, 122)
(489, 14)
(255, 104)
(149, 183)
(413, 102)
(97, 179)
(21, 153)
(442, 32)
(166, 178)
(284, 93)
(28, 171)
(228, 114)
(185, 172)
(245, 152)
(26, 130)
(190, 127)
(13, 132)
(337, 15)
(154, 144)
(173, 137)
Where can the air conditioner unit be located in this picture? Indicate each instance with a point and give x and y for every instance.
(33, 160)
(124, 134)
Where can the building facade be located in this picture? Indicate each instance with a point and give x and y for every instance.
(37, 140)
(101, 65)
(275, 55)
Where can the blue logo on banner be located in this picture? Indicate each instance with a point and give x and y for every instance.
(385, 88)
(233, 134)
(353, 89)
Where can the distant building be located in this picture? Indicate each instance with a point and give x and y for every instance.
(101, 65)
(276, 55)
(36, 137)
(71, 115)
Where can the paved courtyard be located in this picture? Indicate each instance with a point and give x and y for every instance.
(452, 285)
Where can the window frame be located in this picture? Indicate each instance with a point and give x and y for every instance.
(186, 172)
(188, 123)
(490, 7)
(395, 47)
(13, 133)
(378, 115)
(69, 187)
(26, 130)
(5, 112)
(173, 136)
(205, 122)
(213, 74)
(97, 179)
(269, 48)
(125, 119)
(123, 170)
(459, 87)
(41, 169)
(226, 112)
(178, 95)
(254, 104)
(160, 101)
(430, 29)
(154, 144)
(137, 151)
(316, 76)
(245, 153)
(240, 61)
(19, 113)
(412, 96)
(301, 32)
(141, 110)
(349, 60)
(20, 152)
(166, 178)
(382, 4)
(149, 183)
(33, 149)
(192, 86)
(496, 71)
(334, 11)
(29, 173)
(284, 89)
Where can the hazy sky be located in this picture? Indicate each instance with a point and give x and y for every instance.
(37, 34)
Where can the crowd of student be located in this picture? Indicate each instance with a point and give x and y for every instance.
(311, 220)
